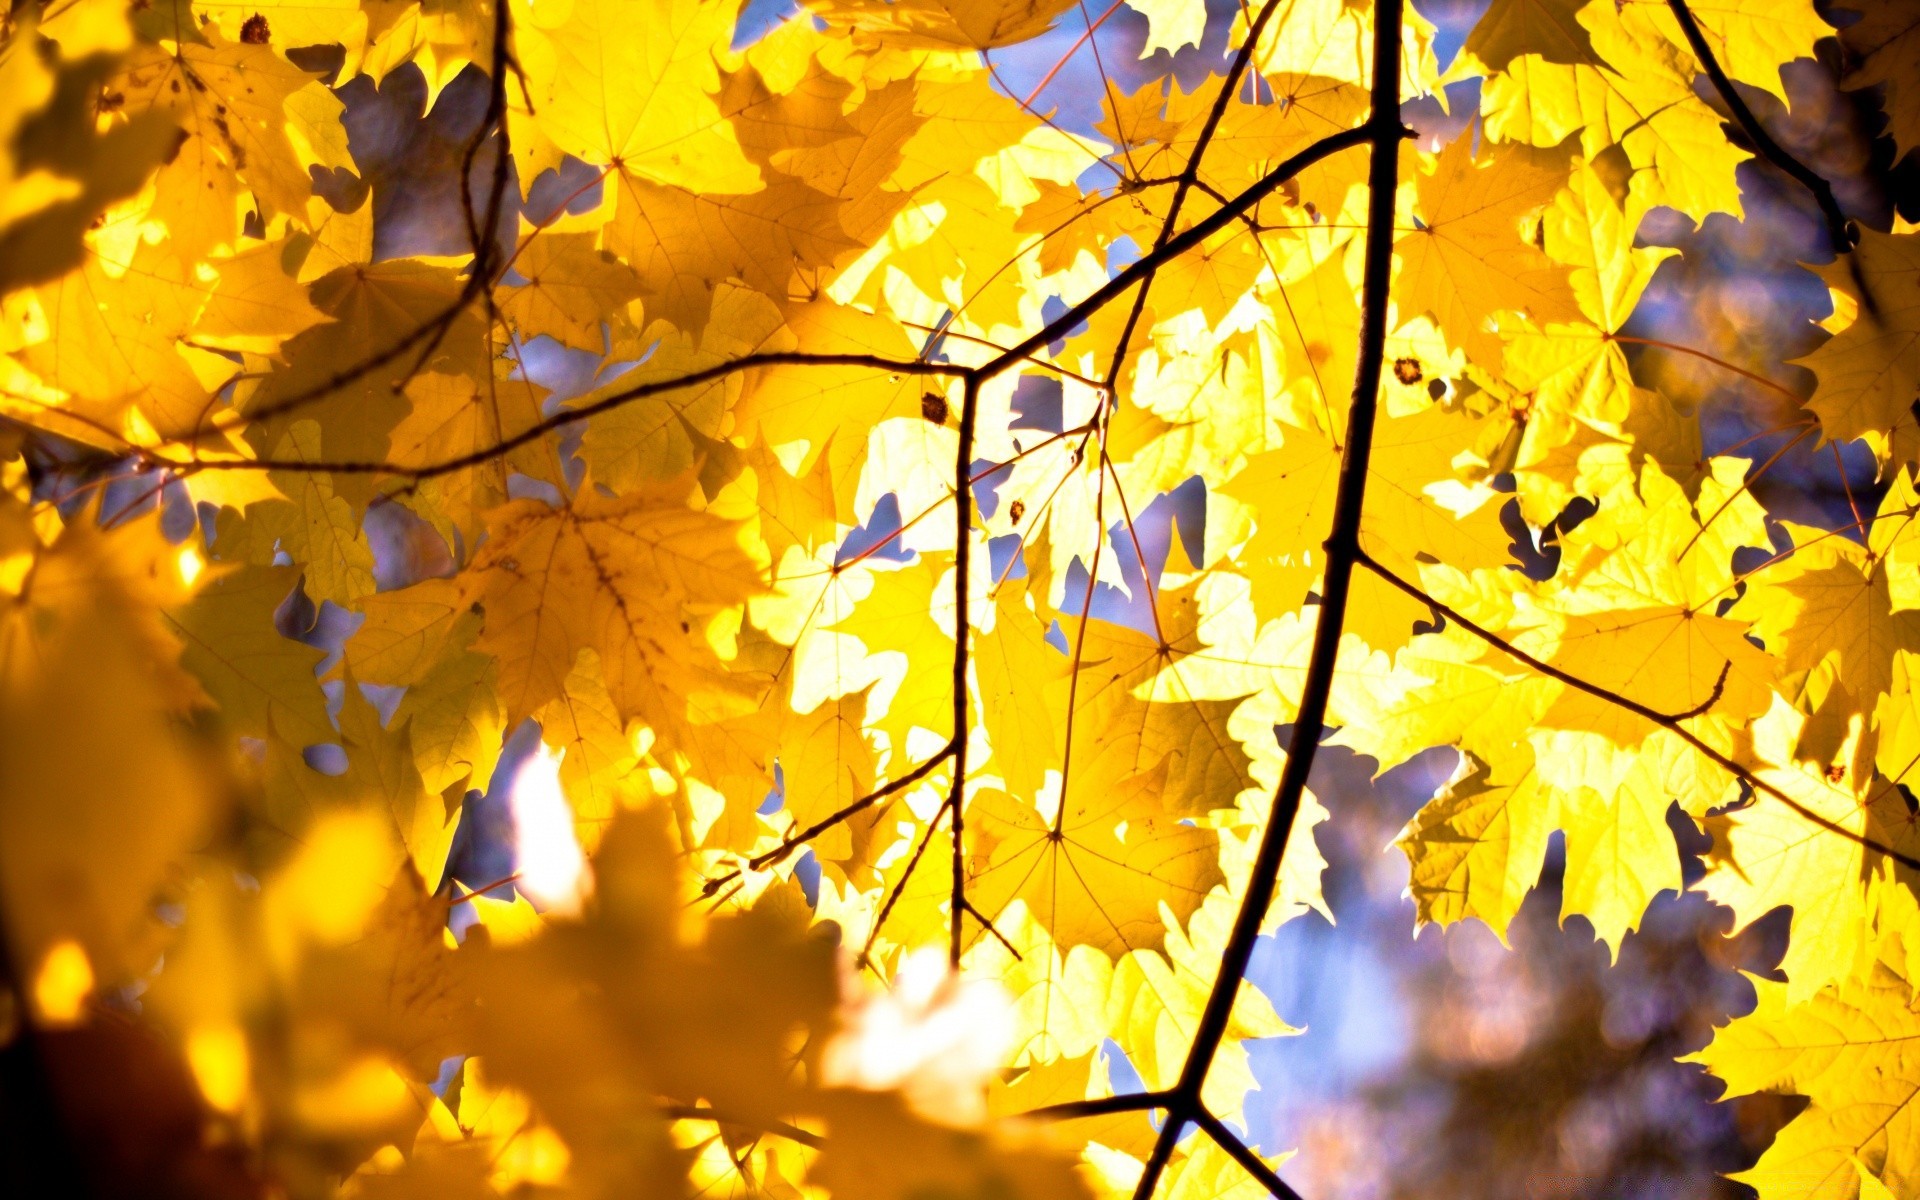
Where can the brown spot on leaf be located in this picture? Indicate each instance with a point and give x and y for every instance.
(1407, 370)
(255, 32)
(1015, 511)
(933, 406)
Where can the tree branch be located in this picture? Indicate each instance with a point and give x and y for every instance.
(906, 876)
(1195, 234)
(1243, 1154)
(795, 841)
(1772, 151)
(998, 364)
(1663, 720)
(1384, 132)
(962, 646)
(1099, 1106)
(563, 418)
(1229, 85)
(429, 333)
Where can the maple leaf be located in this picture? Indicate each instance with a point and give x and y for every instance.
(1464, 260)
(611, 576)
(1870, 370)
(1292, 488)
(371, 306)
(1885, 43)
(61, 172)
(1476, 848)
(1751, 39)
(572, 288)
(250, 119)
(1666, 132)
(1171, 25)
(399, 987)
(257, 677)
(1849, 1050)
(103, 793)
(1101, 878)
(656, 438)
(642, 106)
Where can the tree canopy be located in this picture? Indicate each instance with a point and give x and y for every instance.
(930, 544)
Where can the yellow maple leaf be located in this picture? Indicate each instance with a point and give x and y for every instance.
(1870, 369)
(1849, 1049)
(624, 577)
(1465, 262)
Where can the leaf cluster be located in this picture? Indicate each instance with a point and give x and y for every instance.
(927, 551)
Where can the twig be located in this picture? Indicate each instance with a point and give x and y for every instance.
(1229, 86)
(1099, 1106)
(1663, 720)
(1243, 1154)
(794, 841)
(1384, 132)
(906, 876)
(962, 646)
(565, 417)
(1837, 231)
(1194, 235)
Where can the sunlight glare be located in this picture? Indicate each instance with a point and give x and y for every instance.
(552, 869)
(65, 981)
(938, 1036)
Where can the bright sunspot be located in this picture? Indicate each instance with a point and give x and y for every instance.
(552, 869)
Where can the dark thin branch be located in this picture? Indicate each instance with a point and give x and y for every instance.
(1670, 724)
(1837, 231)
(962, 647)
(1229, 85)
(566, 417)
(998, 364)
(482, 233)
(987, 924)
(1099, 1106)
(1384, 132)
(1194, 235)
(700, 1112)
(1243, 1154)
(795, 841)
(899, 889)
(865, 802)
